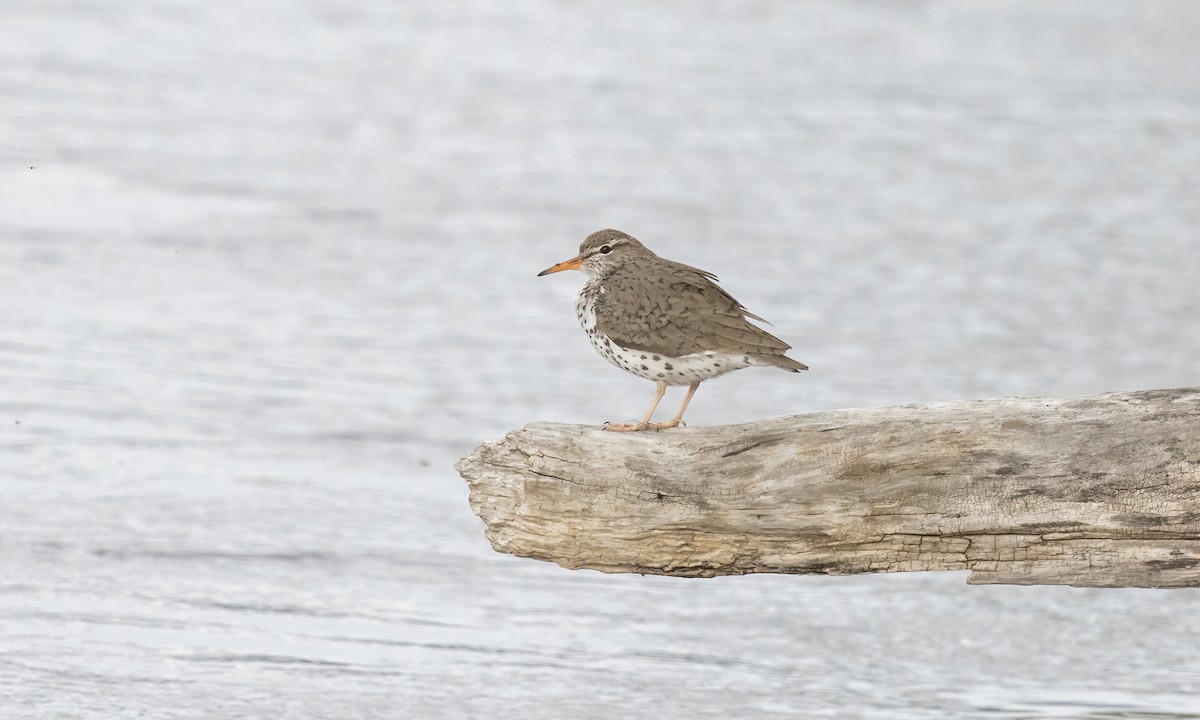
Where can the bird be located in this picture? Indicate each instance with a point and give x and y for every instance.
(664, 321)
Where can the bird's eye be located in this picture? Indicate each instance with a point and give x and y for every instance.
(605, 249)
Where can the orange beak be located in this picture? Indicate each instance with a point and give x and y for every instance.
(572, 264)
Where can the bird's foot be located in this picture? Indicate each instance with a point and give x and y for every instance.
(638, 427)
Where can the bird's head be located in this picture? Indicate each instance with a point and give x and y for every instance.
(601, 253)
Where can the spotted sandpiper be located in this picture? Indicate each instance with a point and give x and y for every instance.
(664, 321)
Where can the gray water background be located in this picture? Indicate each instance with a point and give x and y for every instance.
(267, 270)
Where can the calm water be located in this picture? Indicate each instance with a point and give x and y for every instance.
(266, 271)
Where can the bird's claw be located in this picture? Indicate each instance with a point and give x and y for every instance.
(638, 427)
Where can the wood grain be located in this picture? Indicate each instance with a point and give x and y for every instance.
(1099, 491)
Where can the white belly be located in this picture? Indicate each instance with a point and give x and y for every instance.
(683, 370)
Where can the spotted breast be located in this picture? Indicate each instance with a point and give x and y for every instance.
(671, 370)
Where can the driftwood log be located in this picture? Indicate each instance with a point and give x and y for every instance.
(1099, 491)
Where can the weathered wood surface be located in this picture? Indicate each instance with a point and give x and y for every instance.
(1099, 491)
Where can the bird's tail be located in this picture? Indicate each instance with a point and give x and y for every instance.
(783, 362)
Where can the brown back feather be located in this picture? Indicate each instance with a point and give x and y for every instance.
(656, 305)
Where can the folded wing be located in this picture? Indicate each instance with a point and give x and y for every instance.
(681, 313)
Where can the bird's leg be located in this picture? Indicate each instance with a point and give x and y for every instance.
(645, 423)
(678, 419)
